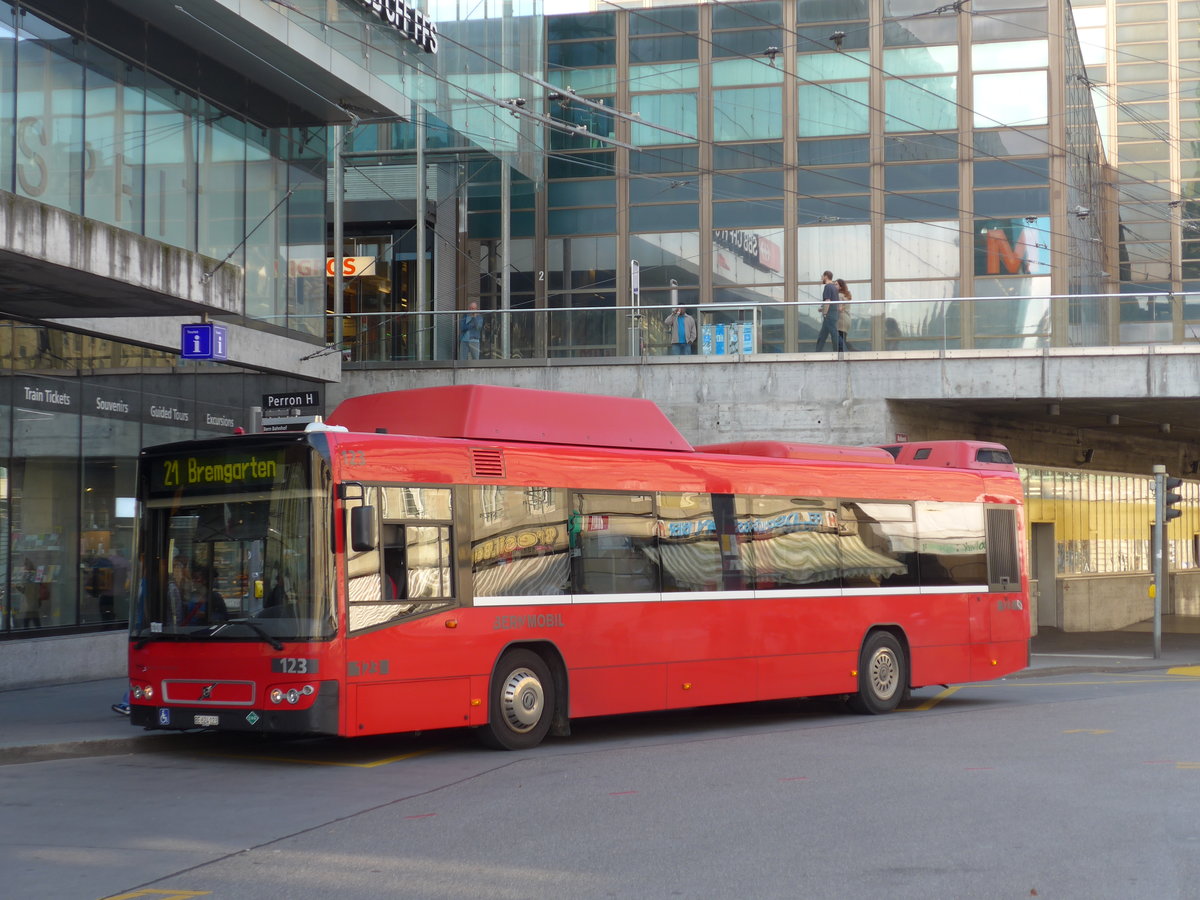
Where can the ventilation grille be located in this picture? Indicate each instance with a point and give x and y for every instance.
(1004, 566)
(486, 463)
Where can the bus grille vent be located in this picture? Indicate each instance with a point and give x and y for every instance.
(487, 463)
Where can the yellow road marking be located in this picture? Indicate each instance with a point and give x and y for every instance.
(1158, 679)
(165, 895)
(933, 701)
(1088, 731)
(1187, 765)
(1023, 683)
(323, 762)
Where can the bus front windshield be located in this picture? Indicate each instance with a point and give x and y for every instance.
(234, 545)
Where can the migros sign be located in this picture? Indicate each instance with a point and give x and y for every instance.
(405, 18)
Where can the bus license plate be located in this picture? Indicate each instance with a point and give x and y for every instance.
(205, 721)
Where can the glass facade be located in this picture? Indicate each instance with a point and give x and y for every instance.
(1141, 60)
(101, 133)
(74, 413)
(916, 157)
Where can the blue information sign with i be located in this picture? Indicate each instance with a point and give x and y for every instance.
(205, 340)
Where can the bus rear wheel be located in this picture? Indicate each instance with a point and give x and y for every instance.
(522, 701)
(882, 675)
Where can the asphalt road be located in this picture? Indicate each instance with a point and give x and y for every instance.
(1069, 786)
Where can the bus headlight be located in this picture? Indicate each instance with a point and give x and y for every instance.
(293, 696)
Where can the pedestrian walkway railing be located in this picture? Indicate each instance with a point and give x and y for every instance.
(740, 331)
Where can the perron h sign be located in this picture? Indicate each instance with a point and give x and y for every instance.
(204, 340)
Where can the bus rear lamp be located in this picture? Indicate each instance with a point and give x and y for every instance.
(142, 692)
(276, 695)
(452, 623)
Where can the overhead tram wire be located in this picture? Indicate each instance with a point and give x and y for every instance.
(1018, 129)
(828, 200)
(632, 118)
(691, 138)
(1132, 109)
(1119, 104)
(822, 198)
(885, 73)
(952, 212)
(356, 119)
(951, 135)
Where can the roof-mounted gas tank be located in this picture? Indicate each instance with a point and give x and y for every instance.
(491, 412)
(788, 450)
(953, 454)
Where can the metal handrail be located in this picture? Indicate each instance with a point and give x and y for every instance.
(1044, 321)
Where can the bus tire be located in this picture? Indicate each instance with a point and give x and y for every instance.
(882, 675)
(522, 702)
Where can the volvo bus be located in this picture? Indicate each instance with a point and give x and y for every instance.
(508, 560)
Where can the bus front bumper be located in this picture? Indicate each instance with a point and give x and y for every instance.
(319, 718)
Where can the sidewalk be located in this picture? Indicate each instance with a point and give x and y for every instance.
(76, 720)
(1058, 652)
(62, 721)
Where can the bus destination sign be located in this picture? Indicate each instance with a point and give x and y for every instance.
(176, 473)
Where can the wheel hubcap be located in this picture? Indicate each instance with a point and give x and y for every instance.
(884, 672)
(522, 700)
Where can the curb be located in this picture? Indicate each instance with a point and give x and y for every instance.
(1159, 666)
(13, 755)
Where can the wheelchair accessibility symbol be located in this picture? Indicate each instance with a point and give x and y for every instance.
(164, 716)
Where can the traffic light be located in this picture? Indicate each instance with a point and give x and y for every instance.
(1171, 497)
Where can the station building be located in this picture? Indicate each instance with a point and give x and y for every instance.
(331, 182)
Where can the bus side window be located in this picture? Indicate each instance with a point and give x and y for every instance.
(427, 561)
(394, 582)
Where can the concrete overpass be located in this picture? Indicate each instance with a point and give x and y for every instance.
(1131, 407)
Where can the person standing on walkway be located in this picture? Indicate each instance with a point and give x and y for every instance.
(681, 328)
(843, 323)
(830, 307)
(470, 330)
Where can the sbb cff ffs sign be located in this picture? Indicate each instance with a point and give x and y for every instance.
(408, 20)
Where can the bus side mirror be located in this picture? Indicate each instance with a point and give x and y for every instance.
(363, 532)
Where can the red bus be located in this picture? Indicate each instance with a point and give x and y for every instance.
(508, 560)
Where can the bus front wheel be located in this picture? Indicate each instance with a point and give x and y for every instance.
(522, 702)
(882, 675)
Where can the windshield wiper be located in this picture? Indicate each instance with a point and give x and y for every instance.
(256, 628)
(146, 637)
